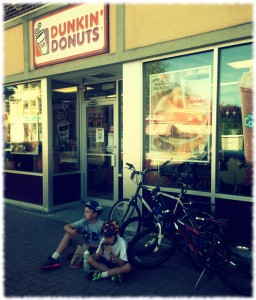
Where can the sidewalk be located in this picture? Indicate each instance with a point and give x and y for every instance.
(31, 237)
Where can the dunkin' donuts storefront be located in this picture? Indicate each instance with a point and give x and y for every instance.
(94, 86)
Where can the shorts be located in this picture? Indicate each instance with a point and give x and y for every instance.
(109, 264)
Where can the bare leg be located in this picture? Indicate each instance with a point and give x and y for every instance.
(98, 266)
(111, 272)
(64, 243)
(120, 270)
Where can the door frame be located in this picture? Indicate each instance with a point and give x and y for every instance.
(83, 139)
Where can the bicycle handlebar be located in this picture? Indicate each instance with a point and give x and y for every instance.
(145, 171)
(131, 167)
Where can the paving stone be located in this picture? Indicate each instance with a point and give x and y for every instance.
(31, 237)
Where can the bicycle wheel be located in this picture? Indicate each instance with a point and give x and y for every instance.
(236, 269)
(130, 228)
(144, 252)
(122, 210)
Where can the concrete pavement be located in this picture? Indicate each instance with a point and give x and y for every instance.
(31, 237)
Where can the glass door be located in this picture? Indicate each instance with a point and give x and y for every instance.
(102, 174)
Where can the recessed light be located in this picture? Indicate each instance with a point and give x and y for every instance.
(71, 89)
(241, 64)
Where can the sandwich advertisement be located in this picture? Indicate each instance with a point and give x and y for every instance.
(179, 120)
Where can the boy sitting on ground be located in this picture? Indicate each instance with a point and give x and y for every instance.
(89, 227)
(110, 259)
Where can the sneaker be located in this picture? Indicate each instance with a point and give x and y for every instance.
(117, 278)
(50, 264)
(94, 275)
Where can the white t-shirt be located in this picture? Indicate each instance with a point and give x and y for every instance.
(119, 248)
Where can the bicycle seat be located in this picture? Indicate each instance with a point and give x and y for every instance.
(150, 189)
(220, 222)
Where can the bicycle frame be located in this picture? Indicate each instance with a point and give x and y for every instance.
(134, 199)
(156, 193)
(189, 234)
(181, 228)
(184, 230)
(180, 203)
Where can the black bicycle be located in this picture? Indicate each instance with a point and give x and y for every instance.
(232, 262)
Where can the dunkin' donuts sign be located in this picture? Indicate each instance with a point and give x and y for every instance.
(72, 33)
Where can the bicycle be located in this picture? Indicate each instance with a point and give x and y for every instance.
(199, 220)
(154, 246)
(128, 209)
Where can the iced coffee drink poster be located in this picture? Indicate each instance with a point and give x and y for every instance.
(71, 33)
(246, 94)
(179, 119)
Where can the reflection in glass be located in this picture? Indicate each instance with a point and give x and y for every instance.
(100, 151)
(23, 127)
(65, 128)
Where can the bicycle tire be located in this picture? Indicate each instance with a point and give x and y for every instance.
(130, 228)
(141, 251)
(119, 211)
(236, 271)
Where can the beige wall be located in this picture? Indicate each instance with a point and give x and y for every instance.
(112, 28)
(13, 51)
(144, 25)
(150, 24)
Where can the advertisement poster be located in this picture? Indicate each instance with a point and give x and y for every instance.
(99, 135)
(179, 120)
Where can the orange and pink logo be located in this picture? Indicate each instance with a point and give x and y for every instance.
(42, 40)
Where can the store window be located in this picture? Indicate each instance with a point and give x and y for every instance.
(65, 128)
(178, 119)
(23, 127)
(235, 121)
